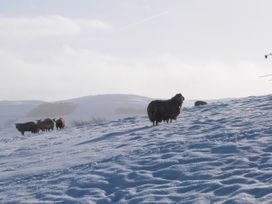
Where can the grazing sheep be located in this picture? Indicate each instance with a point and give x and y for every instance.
(200, 103)
(165, 110)
(60, 123)
(27, 127)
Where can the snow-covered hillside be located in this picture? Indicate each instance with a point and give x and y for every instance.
(220, 153)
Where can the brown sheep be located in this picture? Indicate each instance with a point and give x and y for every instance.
(60, 123)
(165, 110)
(46, 124)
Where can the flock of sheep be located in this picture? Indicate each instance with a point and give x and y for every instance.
(41, 125)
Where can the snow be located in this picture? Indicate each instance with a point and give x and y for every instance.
(219, 153)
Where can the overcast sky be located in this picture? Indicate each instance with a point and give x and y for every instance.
(205, 49)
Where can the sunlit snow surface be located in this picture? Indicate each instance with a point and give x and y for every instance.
(220, 153)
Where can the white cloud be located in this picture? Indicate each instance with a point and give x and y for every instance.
(93, 24)
(52, 25)
(145, 20)
(54, 57)
(71, 72)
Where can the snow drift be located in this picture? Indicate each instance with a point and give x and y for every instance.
(220, 153)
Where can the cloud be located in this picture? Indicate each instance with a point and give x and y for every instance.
(93, 24)
(71, 72)
(52, 25)
(145, 20)
(54, 57)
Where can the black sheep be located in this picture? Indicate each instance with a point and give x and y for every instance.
(200, 103)
(27, 127)
(165, 110)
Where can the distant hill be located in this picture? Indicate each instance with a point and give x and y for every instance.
(11, 111)
(93, 107)
(77, 109)
(52, 109)
(107, 106)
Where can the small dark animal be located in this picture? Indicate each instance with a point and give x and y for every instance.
(266, 56)
(200, 103)
(50, 123)
(46, 125)
(41, 125)
(165, 110)
(27, 127)
(60, 123)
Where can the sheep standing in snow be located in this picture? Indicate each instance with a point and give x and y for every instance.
(200, 103)
(46, 125)
(60, 123)
(165, 110)
(27, 127)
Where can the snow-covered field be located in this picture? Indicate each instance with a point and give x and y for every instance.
(220, 153)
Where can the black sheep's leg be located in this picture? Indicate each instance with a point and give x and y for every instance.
(156, 122)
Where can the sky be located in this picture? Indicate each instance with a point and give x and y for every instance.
(60, 49)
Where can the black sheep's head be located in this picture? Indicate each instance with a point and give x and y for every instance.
(179, 98)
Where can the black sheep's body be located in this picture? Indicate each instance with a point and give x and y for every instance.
(164, 110)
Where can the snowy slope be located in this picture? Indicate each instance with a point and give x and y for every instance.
(220, 153)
